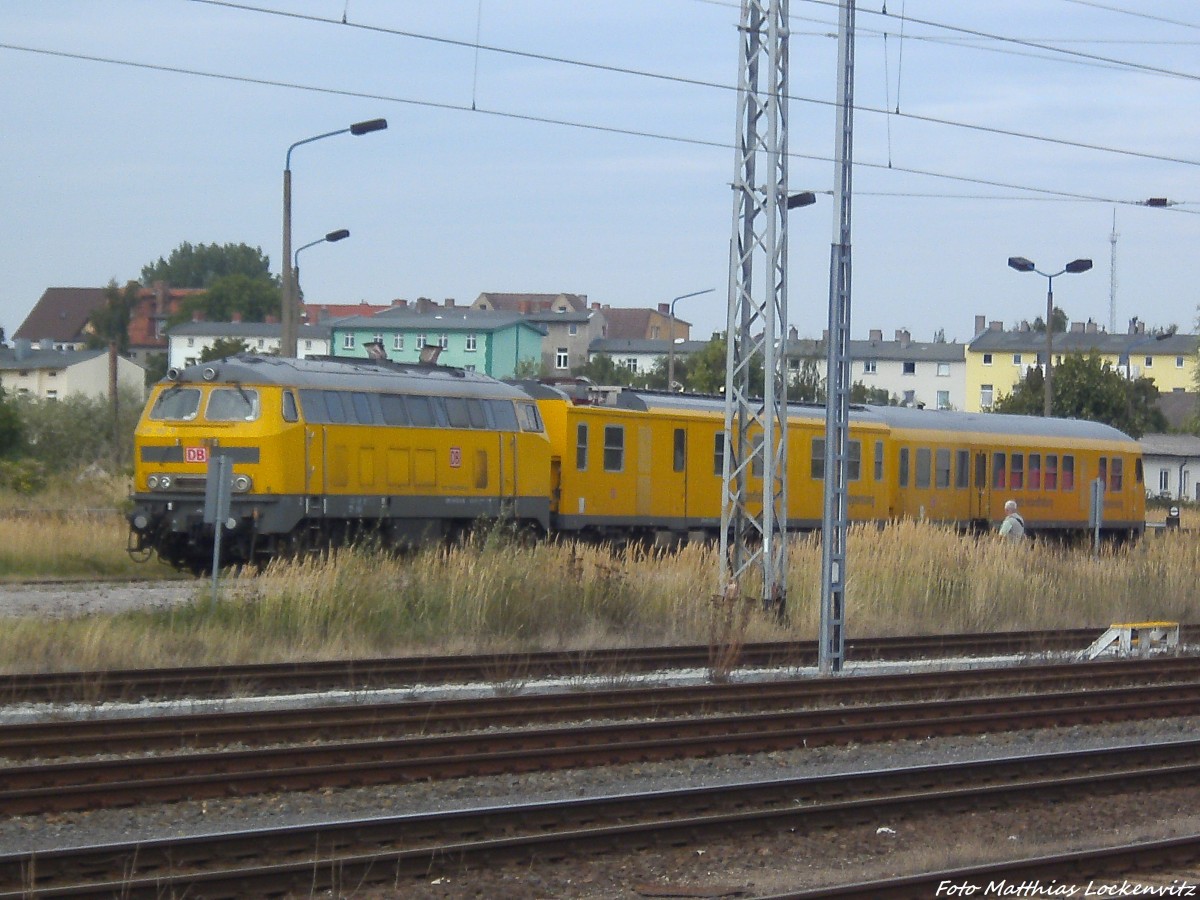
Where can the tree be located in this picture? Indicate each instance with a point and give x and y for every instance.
(807, 386)
(876, 396)
(200, 265)
(11, 429)
(1058, 317)
(1086, 387)
(252, 298)
(110, 322)
(706, 369)
(223, 347)
(601, 369)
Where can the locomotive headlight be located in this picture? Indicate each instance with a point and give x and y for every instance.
(140, 522)
(164, 483)
(152, 482)
(242, 483)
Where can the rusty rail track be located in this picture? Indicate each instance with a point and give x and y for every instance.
(397, 849)
(361, 674)
(94, 736)
(55, 787)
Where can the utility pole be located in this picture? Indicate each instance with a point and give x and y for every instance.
(754, 475)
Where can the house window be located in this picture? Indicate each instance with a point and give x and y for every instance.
(261, 343)
(398, 342)
(943, 370)
(573, 330)
(910, 398)
(308, 345)
(910, 368)
(191, 342)
(1179, 362)
(1164, 481)
(348, 342)
(420, 342)
(654, 333)
(51, 395)
(471, 343)
(985, 396)
(943, 399)
(631, 364)
(443, 341)
(378, 339)
(53, 373)
(561, 358)
(1149, 362)
(869, 366)
(987, 359)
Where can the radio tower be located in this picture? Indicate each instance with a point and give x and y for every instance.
(754, 528)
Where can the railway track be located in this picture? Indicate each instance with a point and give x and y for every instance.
(398, 849)
(96, 736)
(366, 674)
(127, 781)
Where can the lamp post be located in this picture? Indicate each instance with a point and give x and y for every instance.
(671, 335)
(289, 318)
(1021, 264)
(333, 237)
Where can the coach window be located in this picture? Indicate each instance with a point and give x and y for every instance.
(392, 406)
(680, 450)
(290, 413)
(1116, 475)
(756, 456)
(1016, 472)
(1035, 471)
(818, 458)
(1050, 479)
(924, 464)
(941, 472)
(180, 404)
(902, 475)
(719, 453)
(421, 411)
(999, 471)
(1068, 472)
(614, 448)
(1102, 474)
(232, 405)
(504, 414)
(581, 446)
(531, 420)
(879, 460)
(854, 461)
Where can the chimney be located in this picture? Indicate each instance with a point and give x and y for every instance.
(903, 338)
(664, 308)
(46, 344)
(995, 325)
(21, 348)
(1023, 327)
(1076, 328)
(1136, 326)
(876, 335)
(595, 306)
(449, 303)
(160, 298)
(235, 317)
(400, 302)
(197, 316)
(272, 319)
(980, 324)
(1091, 327)
(793, 334)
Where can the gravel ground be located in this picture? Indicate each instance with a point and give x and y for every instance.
(736, 865)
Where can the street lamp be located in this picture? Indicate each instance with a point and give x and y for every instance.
(333, 237)
(1021, 264)
(671, 335)
(289, 318)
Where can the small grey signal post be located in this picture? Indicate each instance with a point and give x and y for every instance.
(218, 491)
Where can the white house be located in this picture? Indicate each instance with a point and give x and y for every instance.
(188, 340)
(56, 374)
(1171, 463)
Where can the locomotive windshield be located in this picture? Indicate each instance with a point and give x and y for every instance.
(232, 405)
(177, 403)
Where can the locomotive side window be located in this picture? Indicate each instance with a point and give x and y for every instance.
(394, 411)
(440, 417)
(719, 453)
(817, 466)
(902, 475)
(314, 406)
(980, 471)
(1116, 477)
(421, 412)
(854, 461)
(1102, 474)
(1035, 471)
(290, 413)
(962, 470)
(335, 407)
(999, 471)
(531, 419)
(475, 413)
(679, 456)
(504, 414)
(1016, 477)
(180, 404)
(1051, 480)
(581, 446)
(232, 405)
(941, 470)
(456, 412)
(1137, 469)
(614, 448)
(924, 465)
(363, 413)
(1068, 472)
(879, 460)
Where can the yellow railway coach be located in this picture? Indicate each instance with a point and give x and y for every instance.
(322, 450)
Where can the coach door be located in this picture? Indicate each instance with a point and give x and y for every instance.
(981, 496)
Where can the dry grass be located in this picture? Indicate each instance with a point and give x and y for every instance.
(499, 596)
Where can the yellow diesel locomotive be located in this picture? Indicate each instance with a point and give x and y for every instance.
(323, 450)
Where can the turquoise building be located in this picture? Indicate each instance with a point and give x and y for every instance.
(494, 343)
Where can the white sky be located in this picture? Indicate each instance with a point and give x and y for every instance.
(104, 167)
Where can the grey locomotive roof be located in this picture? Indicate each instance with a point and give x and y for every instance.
(364, 374)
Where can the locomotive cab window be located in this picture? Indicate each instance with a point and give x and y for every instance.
(178, 404)
(614, 448)
(531, 420)
(232, 405)
(290, 413)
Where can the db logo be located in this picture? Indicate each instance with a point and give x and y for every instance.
(195, 454)
(455, 457)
